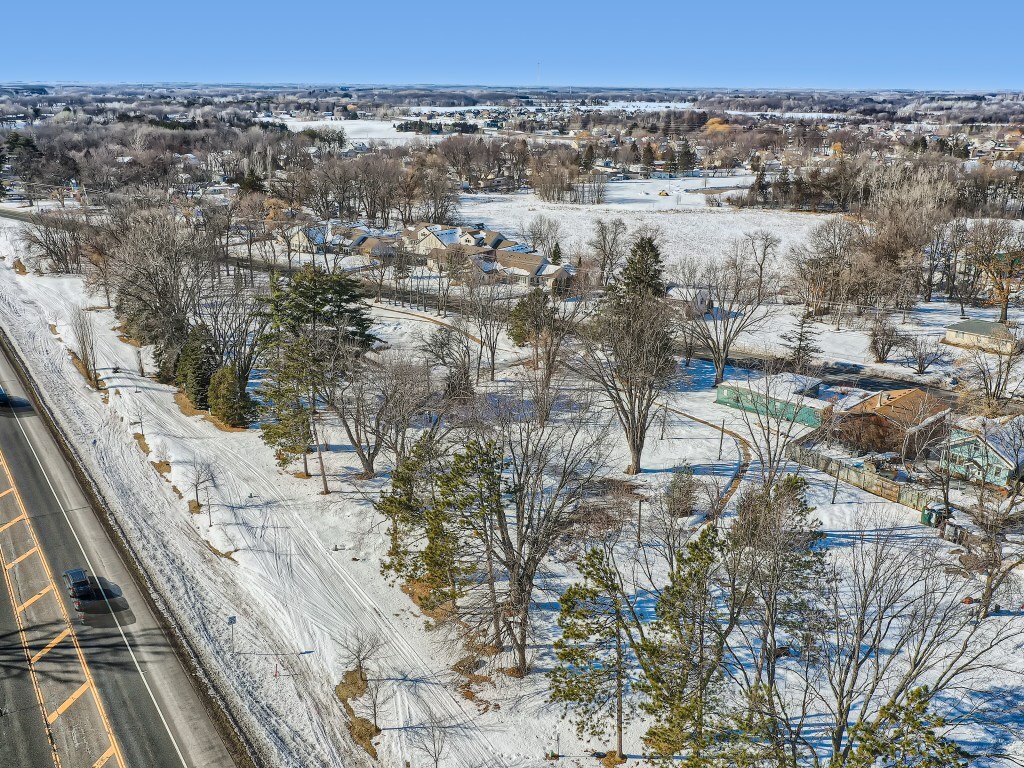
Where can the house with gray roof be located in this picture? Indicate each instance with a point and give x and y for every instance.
(984, 335)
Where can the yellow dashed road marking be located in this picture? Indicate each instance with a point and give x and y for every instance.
(9, 523)
(104, 758)
(68, 702)
(51, 645)
(113, 749)
(22, 557)
(44, 591)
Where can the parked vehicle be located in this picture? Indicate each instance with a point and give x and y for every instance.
(4, 397)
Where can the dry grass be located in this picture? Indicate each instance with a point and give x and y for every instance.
(301, 475)
(123, 336)
(194, 507)
(177, 492)
(187, 408)
(420, 593)
(163, 467)
(363, 731)
(54, 331)
(86, 373)
(19, 267)
(612, 759)
(141, 440)
(229, 555)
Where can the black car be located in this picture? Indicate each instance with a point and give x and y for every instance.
(4, 397)
(78, 585)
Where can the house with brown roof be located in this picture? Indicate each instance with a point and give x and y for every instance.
(894, 419)
(379, 247)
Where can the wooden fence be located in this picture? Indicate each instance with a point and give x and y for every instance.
(901, 493)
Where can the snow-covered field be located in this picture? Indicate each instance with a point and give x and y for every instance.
(688, 226)
(378, 131)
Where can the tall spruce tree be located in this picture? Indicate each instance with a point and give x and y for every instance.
(596, 662)
(682, 660)
(801, 344)
(643, 275)
(196, 365)
(312, 319)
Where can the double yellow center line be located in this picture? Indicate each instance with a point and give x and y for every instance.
(50, 718)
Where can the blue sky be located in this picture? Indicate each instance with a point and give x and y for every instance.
(728, 43)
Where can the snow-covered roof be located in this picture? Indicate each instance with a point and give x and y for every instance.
(982, 328)
(781, 386)
(1005, 438)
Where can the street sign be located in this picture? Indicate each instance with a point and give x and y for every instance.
(232, 620)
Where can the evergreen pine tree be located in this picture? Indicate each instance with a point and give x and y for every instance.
(906, 735)
(588, 157)
(593, 677)
(529, 317)
(196, 365)
(686, 158)
(643, 274)
(647, 157)
(229, 401)
(801, 344)
(556, 254)
(671, 161)
(782, 187)
(683, 656)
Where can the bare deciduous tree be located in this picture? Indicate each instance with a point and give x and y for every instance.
(923, 351)
(84, 330)
(735, 307)
(628, 353)
(610, 246)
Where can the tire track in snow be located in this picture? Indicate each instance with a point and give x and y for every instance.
(444, 701)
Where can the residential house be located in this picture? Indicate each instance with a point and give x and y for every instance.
(310, 239)
(786, 396)
(986, 450)
(376, 247)
(696, 301)
(904, 420)
(982, 334)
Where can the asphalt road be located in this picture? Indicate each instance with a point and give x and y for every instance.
(104, 686)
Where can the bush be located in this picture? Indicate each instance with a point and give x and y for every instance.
(229, 401)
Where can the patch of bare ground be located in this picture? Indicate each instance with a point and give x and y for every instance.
(467, 667)
(420, 593)
(163, 467)
(363, 731)
(612, 759)
(95, 383)
(187, 408)
(141, 440)
(123, 336)
(19, 267)
(229, 555)
(194, 507)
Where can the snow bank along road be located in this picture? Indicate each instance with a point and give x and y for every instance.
(101, 687)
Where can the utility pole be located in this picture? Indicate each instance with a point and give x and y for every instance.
(639, 519)
(721, 440)
(231, 624)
